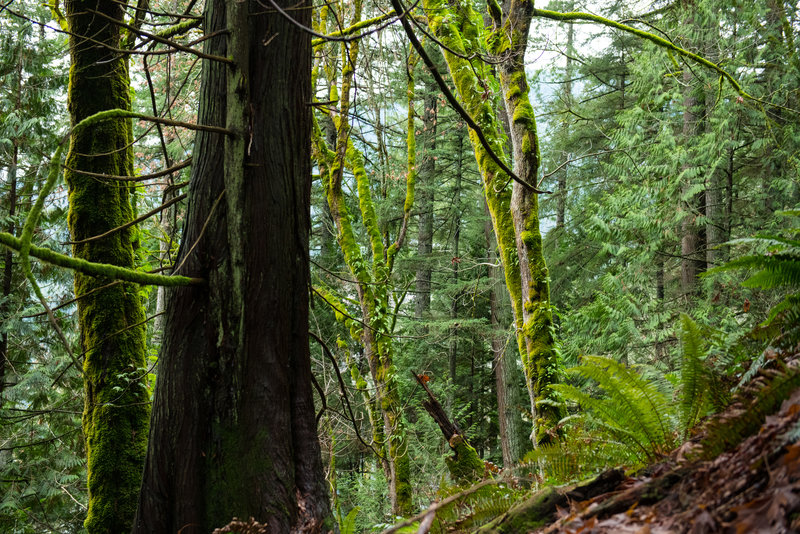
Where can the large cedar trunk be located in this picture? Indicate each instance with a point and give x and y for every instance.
(233, 430)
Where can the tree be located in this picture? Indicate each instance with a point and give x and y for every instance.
(372, 274)
(233, 430)
(111, 316)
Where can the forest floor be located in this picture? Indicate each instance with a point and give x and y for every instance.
(753, 487)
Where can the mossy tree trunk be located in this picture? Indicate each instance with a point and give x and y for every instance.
(508, 417)
(514, 215)
(233, 430)
(372, 274)
(8, 264)
(116, 412)
(540, 358)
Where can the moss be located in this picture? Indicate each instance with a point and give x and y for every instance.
(464, 465)
(234, 466)
(116, 413)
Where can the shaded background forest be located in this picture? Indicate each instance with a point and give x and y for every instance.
(658, 173)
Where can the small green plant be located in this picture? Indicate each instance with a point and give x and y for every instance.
(348, 524)
(777, 267)
(627, 419)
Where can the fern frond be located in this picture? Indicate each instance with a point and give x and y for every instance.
(776, 270)
(348, 524)
(728, 429)
(694, 374)
(641, 404)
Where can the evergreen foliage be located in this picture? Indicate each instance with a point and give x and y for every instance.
(672, 253)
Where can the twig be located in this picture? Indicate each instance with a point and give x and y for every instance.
(129, 223)
(120, 178)
(343, 388)
(438, 505)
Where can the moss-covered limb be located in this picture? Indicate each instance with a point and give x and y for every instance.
(350, 30)
(540, 509)
(469, 79)
(180, 28)
(100, 270)
(465, 465)
(411, 167)
(111, 114)
(660, 41)
(116, 409)
(355, 161)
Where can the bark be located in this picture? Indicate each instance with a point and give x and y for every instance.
(373, 277)
(508, 416)
(116, 410)
(539, 354)
(233, 430)
(692, 239)
(514, 217)
(452, 352)
(427, 173)
(8, 262)
(561, 184)
(465, 465)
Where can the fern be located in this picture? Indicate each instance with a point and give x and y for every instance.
(635, 411)
(694, 374)
(348, 524)
(728, 429)
(474, 508)
(778, 267)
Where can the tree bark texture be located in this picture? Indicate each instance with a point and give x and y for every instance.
(116, 409)
(539, 356)
(692, 239)
(233, 429)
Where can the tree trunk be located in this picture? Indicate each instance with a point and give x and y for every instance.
(538, 351)
(116, 410)
(427, 173)
(452, 351)
(508, 416)
(233, 431)
(692, 239)
(8, 262)
(561, 183)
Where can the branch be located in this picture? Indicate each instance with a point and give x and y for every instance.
(660, 41)
(161, 40)
(440, 504)
(455, 104)
(99, 269)
(125, 114)
(354, 28)
(343, 388)
(129, 223)
(142, 177)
